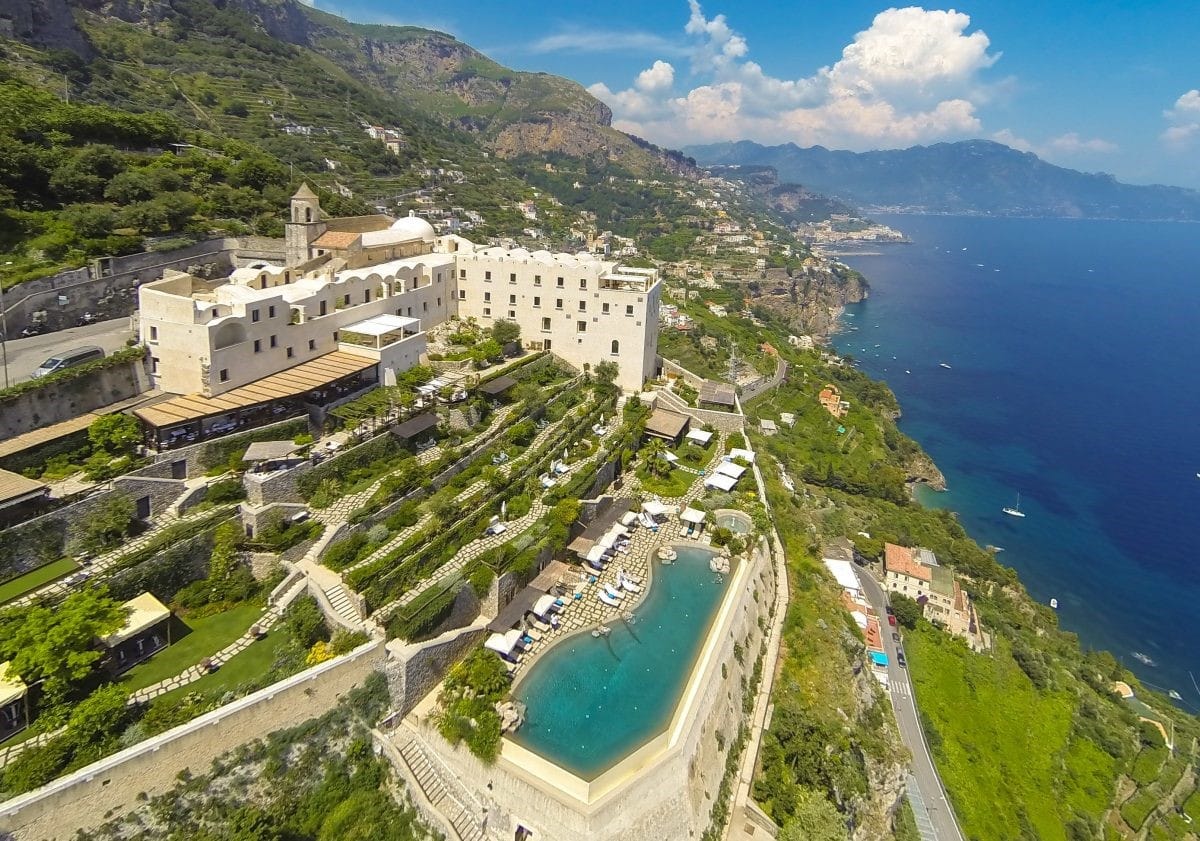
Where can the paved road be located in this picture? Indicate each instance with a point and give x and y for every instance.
(25, 355)
(929, 794)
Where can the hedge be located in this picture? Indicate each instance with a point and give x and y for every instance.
(121, 357)
(426, 612)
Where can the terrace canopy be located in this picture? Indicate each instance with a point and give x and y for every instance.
(414, 426)
(657, 509)
(12, 688)
(699, 436)
(270, 451)
(515, 610)
(556, 572)
(728, 468)
(720, 482)
(15, 489)
(498, 385)
(692, 515)
(380, 331)
(145, 611)
(542, 606)
(745, 455)
(503, 643)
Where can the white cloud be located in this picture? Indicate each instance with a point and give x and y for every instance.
(1184, 122)
(1072, 144)
(913, 76)
(1065, 149)
(603, 41)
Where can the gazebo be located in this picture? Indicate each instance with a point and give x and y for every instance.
(694, 518)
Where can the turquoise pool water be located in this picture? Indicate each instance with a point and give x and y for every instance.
(591, 701)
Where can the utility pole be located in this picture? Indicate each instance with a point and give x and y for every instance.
(4, 322)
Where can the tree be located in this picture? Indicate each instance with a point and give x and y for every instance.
(654, 452)
(108, 522)
(907, 611)
(814, 819)
(98, 720)
(58, 645)
(486, 351)
(505, 331)
(116, 434)
(605, 374)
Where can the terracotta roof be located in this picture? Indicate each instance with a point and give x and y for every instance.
(899, 559)
(336, 239)
(960, 598)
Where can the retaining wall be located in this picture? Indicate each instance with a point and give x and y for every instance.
(120, 782)
(413, 670)
(66, 399)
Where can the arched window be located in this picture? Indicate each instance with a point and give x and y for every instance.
(616, 347)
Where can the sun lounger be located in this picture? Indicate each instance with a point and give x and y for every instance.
(607, 599)
(636, 579)
(613, 591)
(625, 584)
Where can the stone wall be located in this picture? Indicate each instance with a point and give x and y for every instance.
(667, 788)
(277, 487)
(765, 384)
(108, 287)
(119, 783)
(500, 593)
(669, 367)
(193, 456)
(69, 398)
(414, 669)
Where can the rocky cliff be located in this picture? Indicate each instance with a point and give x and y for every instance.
(812, 297)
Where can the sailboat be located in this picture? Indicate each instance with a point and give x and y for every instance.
(1015, 511)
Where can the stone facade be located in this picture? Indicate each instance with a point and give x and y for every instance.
(413, 670)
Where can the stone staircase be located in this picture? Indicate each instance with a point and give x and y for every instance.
(465, 824)
(343, 605)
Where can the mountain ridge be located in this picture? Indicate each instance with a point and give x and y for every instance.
(971, 177)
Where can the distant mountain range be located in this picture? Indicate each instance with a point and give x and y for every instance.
(970, 177)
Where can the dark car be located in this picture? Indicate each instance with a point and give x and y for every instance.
(895, 636)
(892, 621)
(900, 659)
(889, 610)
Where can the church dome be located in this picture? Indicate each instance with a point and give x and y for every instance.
(414, 227)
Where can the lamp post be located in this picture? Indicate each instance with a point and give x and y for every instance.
(4, 323)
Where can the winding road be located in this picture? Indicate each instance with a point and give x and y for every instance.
(935, 817)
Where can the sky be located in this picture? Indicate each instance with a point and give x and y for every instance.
(1096, 85)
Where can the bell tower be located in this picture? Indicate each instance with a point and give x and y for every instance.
(304, 225)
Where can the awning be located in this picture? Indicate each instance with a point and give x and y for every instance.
(656, 509)
(383, 324)
(497, 385)
(554, 573)
(720, 482)
(692, 515)
(145, 611)
(500, 644)
(746, 455)
(414, 426)
(700, 436)
(513, 612)
(301, 379)
(728, 468)
(15, 488)
(542, 606)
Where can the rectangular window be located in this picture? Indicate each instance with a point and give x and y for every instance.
(546, 325)
(604, 308)
(153, 333)
(487, 297)
(560, 283)
(153, 364)
(257, 345)
(270, 312)
(537, 280)
(324, 308)
(462, 294)
(224, 375)
(537, 301)
(346, 299)
(312, 344)
(512, 313)
(583, 283)
(424, 306)
(512, 278)
(512, 300)
(558, 303)
(487, 312)
(366, 296)
(580, 326)
(274, 343)
(439, 303)
(335, 335)
(487, 275)
(254, 315)
(462, 273)
(583, 306)
(629, 309)
(290, 353)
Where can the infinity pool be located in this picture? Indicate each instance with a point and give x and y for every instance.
(591, 701)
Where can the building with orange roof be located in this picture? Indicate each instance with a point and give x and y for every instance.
(831, 399)
(916, 573)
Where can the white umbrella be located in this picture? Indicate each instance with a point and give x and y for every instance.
(596, 553)
(503, 508)
(543, 605)
(500, 643)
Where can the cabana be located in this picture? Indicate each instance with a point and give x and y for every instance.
(545, 605)
(507, 645)
(146, 630)
(497, 386)
(658, 509)
(728, 468)
(720, 481)
(420, 426)
(694, 518)
(669, 426)
(699, 436)
(14, 703)
(745, 455)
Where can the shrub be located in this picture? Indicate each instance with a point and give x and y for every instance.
(343, 553)
(403, 517)
(304, 622)
(481, 579)
(105, 525)
(225, 491)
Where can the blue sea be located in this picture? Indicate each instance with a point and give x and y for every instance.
(1074, 349)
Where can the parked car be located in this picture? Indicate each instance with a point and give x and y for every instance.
(896, 637)
(900, 660)
(69, 359)
(889, 610)
(892, 620)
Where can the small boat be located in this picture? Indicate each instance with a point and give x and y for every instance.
(907, 371)
(944, 365)
(1054, 603)
(1175, 696)
(1143, 658)
(1015, 511)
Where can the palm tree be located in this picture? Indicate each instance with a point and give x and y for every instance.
(655, 452)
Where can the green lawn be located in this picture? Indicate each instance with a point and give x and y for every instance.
(208, 636)
(252, 663)
(1003, 749)
(693, 455)
(21, 585)
(675, 484)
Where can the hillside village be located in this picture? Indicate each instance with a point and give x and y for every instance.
(415, 427)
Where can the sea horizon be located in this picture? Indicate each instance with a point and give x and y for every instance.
(1071, 382)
